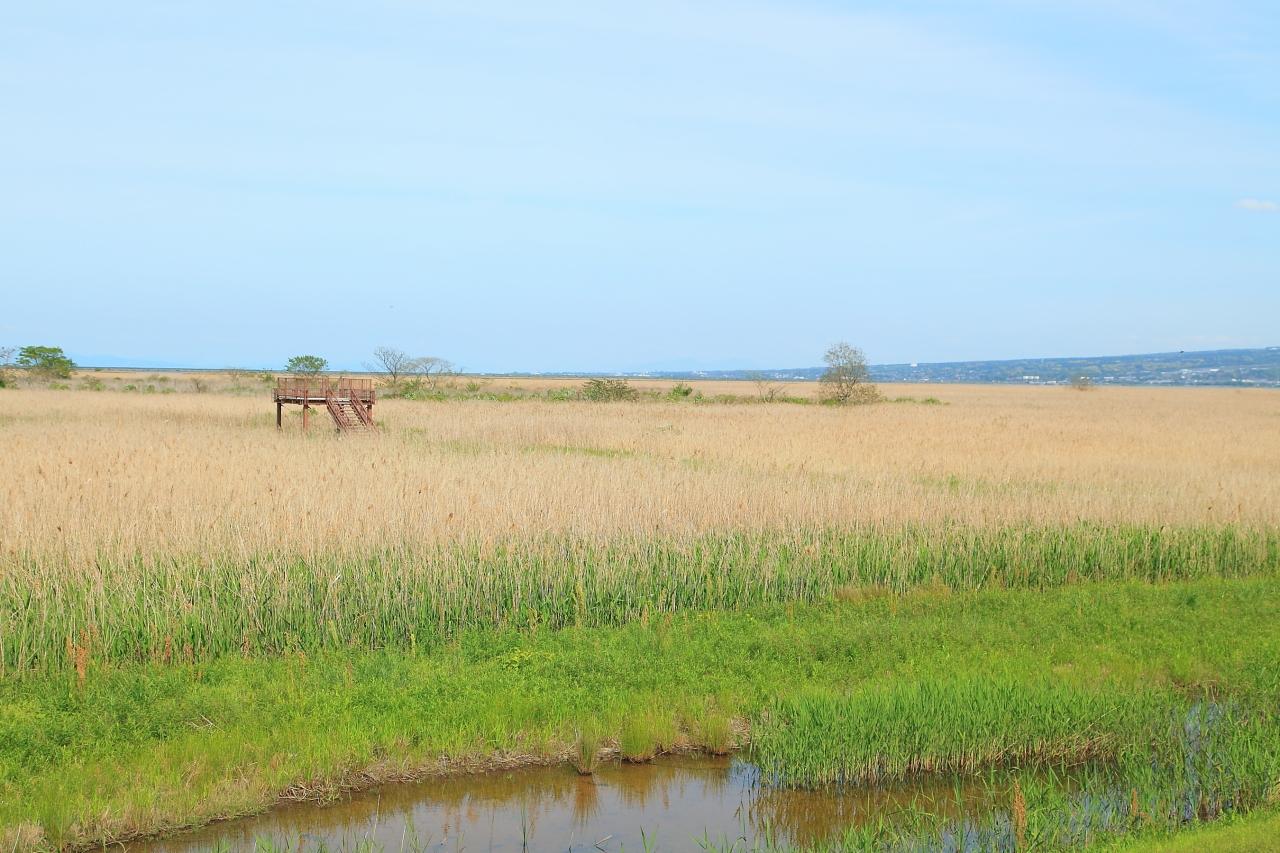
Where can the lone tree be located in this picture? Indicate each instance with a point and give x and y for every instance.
(306, 365)
(395, 363)
(46, 362)
(429, 370)
(846, 379)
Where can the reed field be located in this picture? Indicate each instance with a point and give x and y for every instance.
(94, 475)
(200, 616)
(143, 527)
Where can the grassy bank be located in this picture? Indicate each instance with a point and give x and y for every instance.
(170, 610)
(1258, 833)
(137, 748)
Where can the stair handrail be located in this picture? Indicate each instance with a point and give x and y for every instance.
(363, 414)
(335, 411)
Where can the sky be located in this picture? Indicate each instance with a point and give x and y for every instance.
(596, 185)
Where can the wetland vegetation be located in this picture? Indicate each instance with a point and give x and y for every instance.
(1069, 600)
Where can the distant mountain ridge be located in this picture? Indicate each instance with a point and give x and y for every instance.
(1234, 367)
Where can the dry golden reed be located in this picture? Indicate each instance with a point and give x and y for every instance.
(91, 474)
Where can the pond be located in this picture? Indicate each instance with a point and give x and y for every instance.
(671, 803)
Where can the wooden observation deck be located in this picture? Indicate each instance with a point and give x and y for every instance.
(348, 401)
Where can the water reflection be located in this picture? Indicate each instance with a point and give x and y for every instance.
(673, 800)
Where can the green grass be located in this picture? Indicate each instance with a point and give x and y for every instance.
(162, 609)
(889, 730)
(1258, 833)
(141, 748)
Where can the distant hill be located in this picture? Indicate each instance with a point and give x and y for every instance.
(1236, 367)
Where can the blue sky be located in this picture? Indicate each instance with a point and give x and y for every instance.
(626, 186)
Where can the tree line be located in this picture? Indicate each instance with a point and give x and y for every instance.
(846, 378)
(401, 370)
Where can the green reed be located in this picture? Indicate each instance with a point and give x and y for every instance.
(1068, 768)
(1170, 689)
(889, 731)
(172, 607)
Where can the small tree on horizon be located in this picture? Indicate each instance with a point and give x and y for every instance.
(46, 362)
(306, 365)
(847, 379)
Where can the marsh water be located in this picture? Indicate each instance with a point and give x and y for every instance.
(669, 804)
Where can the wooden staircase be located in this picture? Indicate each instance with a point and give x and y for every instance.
(349, 416)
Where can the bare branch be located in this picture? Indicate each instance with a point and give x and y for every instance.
(768, 390)
(431, 370)
(394, 363)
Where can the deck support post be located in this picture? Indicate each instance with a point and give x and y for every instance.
(279, 416)
(306, 411)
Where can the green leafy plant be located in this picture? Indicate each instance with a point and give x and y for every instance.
(608, 390)
(306, 365)
(45, 362)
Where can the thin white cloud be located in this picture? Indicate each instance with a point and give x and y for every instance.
(1257, 205)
